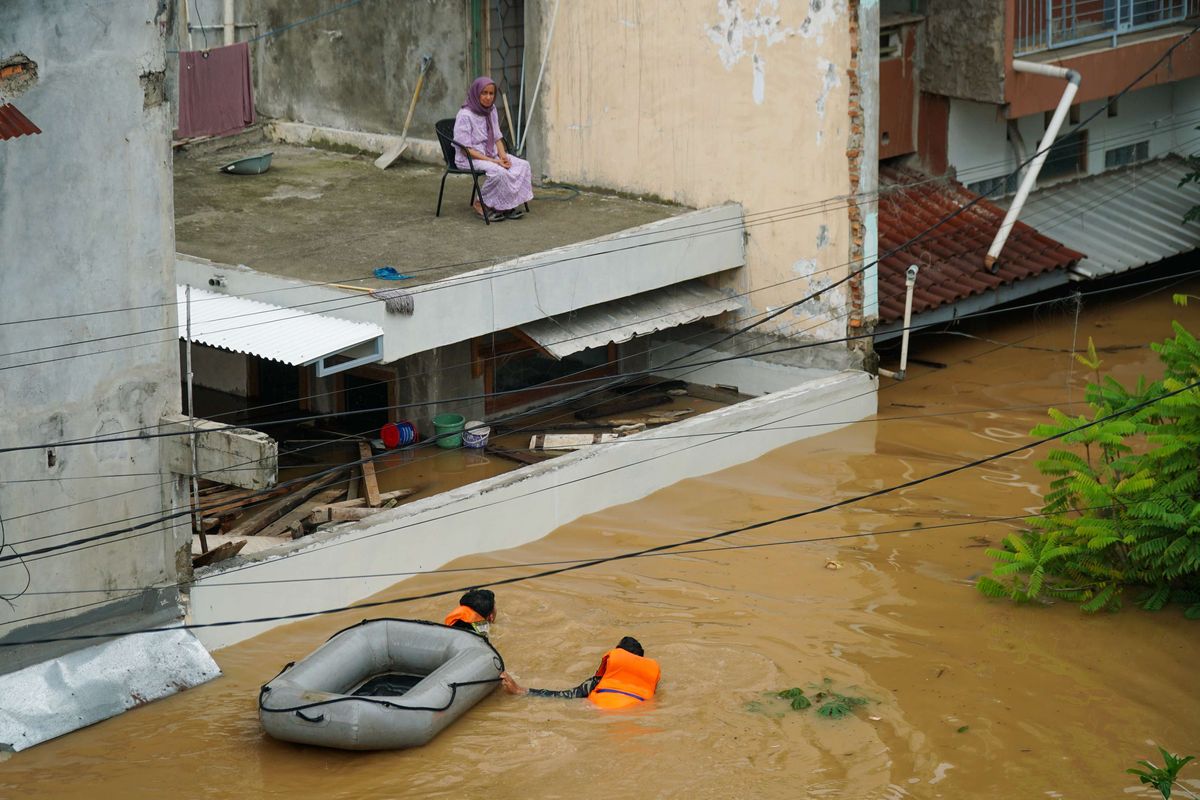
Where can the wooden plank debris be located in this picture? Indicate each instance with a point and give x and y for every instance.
(370, 484)
(569, 441)
(290, 522)
(219, 553)
(251, 525)
(332, 512)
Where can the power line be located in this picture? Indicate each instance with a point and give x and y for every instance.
(635, 553)
(143, 526)
(953, 214)
(820, 206)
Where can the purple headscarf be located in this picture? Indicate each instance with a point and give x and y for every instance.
(476, 107)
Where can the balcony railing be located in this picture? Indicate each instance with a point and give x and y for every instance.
(1047, 24)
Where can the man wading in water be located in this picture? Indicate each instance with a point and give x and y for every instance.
(476, 612)
(625, 678)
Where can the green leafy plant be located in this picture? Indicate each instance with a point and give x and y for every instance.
(1165, 777)
(1122, 507)
(796, 697)
(828, 702)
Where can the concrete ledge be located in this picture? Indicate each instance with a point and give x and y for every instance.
(518, 507)
(426, 151)
(223, 453)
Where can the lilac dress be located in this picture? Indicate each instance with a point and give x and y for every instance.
(504, 189)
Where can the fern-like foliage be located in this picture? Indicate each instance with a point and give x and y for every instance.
(1122, 505)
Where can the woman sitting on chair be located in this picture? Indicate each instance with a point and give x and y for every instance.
(477, 127)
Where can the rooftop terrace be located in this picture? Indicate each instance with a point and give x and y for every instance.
(331, 217)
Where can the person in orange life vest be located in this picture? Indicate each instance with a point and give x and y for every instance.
(476, 611)
(625, 678)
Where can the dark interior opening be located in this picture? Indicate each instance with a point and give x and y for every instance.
(389, 684)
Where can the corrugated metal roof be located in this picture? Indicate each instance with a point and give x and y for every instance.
(621, 320)
(951, 256)
(13, 123)
(1121, 219)
(281, 334)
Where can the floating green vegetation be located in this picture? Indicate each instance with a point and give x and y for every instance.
(828, 702)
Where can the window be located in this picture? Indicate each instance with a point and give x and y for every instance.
(1128, 154)
(514, 364)
(995, 187)
(1067, 157)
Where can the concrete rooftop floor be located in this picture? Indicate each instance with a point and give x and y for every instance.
(323, 216)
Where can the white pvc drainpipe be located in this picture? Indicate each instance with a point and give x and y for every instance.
(1030, 178)
(229, 25)
(910, 280)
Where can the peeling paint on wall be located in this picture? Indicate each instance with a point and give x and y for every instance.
(736, 28)
(820, 317)
(820, 14)
(829, 81)
(823, 237)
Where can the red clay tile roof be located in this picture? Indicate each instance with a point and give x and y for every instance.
(951, 255)
(13, 123)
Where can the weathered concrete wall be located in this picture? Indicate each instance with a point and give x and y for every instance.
(356, 68)
(86, 225)
(703, 102)
(963, 51)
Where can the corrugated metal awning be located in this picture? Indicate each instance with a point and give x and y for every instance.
(621, 320)
(274, 332)
(1121, 219)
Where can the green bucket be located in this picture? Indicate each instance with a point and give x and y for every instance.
(449, 428)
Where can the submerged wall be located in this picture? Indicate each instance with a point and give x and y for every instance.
(518, 507)
(86, 225)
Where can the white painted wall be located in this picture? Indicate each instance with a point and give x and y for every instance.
(1185, 102)
(86, 225)
(976, 146)
(703, 102)
(750, 376)
(1166, 116)
(520, 506)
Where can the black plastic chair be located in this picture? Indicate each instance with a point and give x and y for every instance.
(445, 134)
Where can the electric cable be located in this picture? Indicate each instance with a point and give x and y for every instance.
(350, 464)
(821, 205)
(640, 552)
(919, 236)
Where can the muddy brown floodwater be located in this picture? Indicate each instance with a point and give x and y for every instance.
(969, 697)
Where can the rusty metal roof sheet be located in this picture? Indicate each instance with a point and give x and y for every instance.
(13, 123)
(951, 255)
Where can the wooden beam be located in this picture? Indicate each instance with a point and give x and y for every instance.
(368, 470)
(219, 553)
(331, 512)
(285, 524)
(268, 514)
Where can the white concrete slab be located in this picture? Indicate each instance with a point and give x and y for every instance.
(521, 506)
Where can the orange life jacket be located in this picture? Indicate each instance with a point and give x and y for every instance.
(627, 680)
(464, 614)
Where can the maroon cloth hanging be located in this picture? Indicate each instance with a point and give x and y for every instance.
(215, 94)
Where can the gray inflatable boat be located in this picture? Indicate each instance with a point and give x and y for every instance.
(381, 684)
